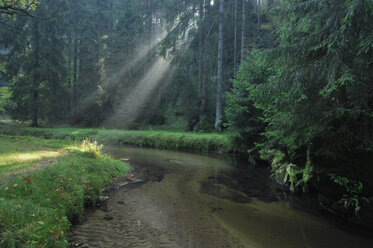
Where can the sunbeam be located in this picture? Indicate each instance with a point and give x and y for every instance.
(129, 109)
(91, 98)
(134, 62)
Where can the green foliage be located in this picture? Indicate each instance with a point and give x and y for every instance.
(35, 209)
(186, 141)
(307, 172)
(319, 89)
(4, 101)
(92, 149)
(353, 189)
(30, 152)
(35, 65)
(92, 54)
(289, 172)
(182, 100)
(310, 87)
(242, 114)
(17, 7)
(283, 171)
(76, 60)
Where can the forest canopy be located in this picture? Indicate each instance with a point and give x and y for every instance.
(17, 7)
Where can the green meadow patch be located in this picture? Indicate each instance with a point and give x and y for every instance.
(45, 184)
(185, 141)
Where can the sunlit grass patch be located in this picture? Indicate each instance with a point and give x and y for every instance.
(27, 156)
(185, 141)
(36, 206)
(20, 154)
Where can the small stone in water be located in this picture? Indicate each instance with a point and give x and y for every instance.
(108, 217)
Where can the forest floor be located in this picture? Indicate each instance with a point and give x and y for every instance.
(184, 141)
(45, 184)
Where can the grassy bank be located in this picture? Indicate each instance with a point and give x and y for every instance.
(201, 142)
(44, 184)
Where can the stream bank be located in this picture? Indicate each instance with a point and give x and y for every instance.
(189, 200)
(180, 141)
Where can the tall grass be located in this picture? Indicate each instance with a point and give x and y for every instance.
(202, 142)
(36, 208)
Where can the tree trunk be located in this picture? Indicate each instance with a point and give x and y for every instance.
(200, 48)
(150, 24)
(35, 109)
(219, 93)
(235, 38)
(205, 69)
(76, 23)
(152, 27)
(75, 67)
(80, 60)
(70, 66)
(150, 36)
(35, 90)
(243, 31)
(258, 11)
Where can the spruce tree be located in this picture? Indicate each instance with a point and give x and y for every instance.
(321, 90)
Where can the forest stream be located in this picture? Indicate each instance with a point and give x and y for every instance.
(175, 199)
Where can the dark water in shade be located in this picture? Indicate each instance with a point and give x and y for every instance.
(190, 200)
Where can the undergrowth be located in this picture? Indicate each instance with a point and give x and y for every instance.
(202, 142)
(299, 177)
(36, 209)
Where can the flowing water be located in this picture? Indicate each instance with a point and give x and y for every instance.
(174, 199)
